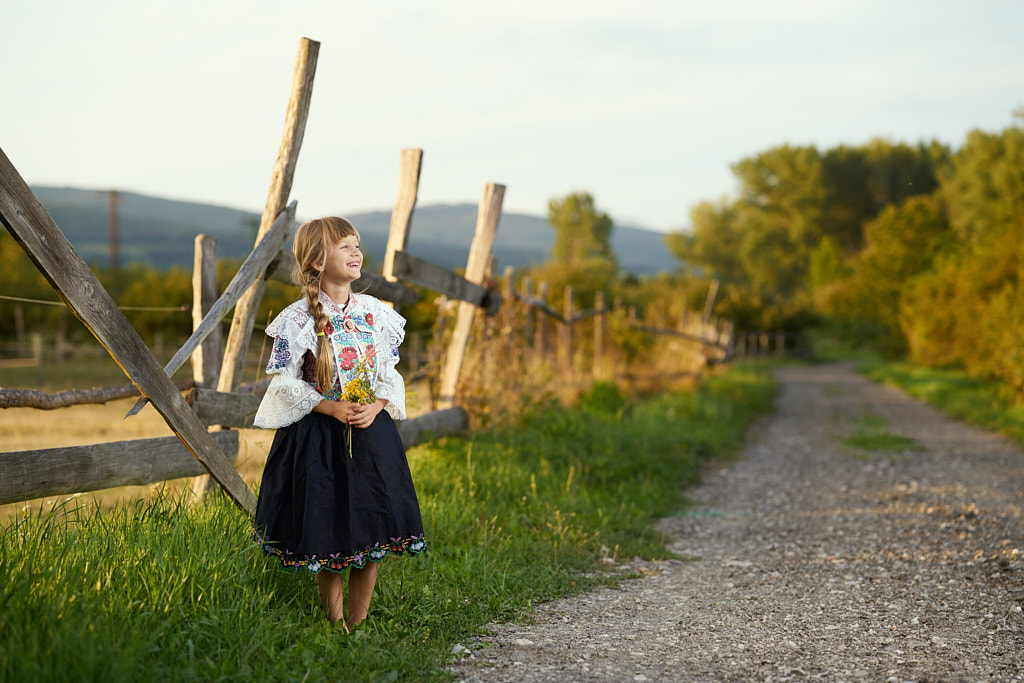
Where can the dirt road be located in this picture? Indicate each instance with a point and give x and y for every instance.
(816, 560)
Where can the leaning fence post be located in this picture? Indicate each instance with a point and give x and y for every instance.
(277, 198)
(476, 267)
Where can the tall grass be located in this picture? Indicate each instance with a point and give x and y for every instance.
(168, 591)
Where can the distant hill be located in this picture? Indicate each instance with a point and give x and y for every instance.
(161, 232)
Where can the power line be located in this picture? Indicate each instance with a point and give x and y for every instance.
(158, 309)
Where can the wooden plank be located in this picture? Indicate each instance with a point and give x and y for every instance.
(30, 398)
(227, 409)
(206, 357)
(433, 425)
(277, 197)
(476, 266)
(438, 279)
(76, 469)
(280, 270)
(26, 219)
(405, 202)
(252, 268)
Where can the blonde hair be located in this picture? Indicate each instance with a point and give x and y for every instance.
(312, 240)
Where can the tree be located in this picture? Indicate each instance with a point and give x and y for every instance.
(581, 231)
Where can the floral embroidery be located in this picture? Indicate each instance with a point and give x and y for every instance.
(280, 355)
(336, 562)
(369, 319)
(353, 337)
(347, 357)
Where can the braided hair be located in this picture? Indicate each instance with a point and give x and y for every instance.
(312, 240)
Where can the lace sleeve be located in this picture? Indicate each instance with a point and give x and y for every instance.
(289, 398)
(390, 385)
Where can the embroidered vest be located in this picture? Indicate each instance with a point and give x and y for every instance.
(354, 351)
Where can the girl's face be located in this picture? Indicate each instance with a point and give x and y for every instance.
(343, 262)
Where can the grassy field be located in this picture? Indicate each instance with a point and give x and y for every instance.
(163, 590)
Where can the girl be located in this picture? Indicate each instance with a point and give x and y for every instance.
(325, 505)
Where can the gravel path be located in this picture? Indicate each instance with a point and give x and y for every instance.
(814, 561)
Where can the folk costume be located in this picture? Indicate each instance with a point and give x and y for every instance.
(321, 506)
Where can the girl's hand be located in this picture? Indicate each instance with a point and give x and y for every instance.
(343, 411)
(363, 414)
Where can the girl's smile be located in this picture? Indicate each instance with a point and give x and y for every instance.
(343, 262)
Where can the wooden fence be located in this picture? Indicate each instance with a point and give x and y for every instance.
(215, 400)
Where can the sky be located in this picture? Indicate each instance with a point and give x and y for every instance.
(645, 104)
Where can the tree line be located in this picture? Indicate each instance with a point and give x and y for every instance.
(911, 249)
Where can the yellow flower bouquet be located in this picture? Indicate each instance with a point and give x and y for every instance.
(359, 390)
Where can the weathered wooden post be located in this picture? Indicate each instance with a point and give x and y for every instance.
(538, 340)
(405, 202)
(476, 267)
(598, 333)
(37, 355)
(277, 198)
(528, 315)
(206, 358)
(60, 346)
(567, 313)
(508, 295)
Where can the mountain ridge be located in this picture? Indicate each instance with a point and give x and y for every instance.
(160, 232)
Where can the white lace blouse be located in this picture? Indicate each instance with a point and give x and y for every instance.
(289, 398)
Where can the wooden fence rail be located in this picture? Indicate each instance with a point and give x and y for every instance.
(60, 471)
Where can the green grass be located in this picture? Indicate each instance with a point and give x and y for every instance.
(870, 434)
(167, 591)
(978, 401)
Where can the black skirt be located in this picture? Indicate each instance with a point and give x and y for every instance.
(320, 509)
